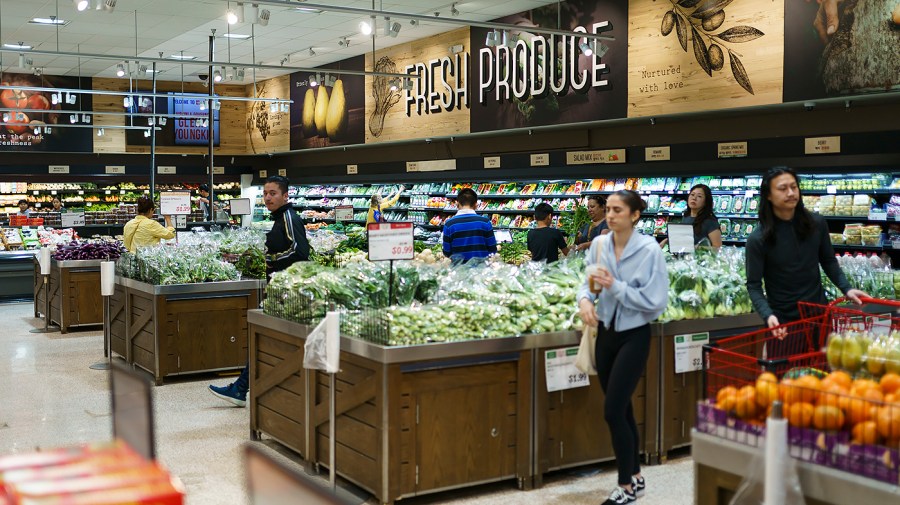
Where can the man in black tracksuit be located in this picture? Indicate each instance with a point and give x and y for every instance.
(286, 244)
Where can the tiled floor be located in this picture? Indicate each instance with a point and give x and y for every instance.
(53, 398)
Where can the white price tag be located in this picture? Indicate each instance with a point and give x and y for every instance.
(343, 213)
(35, 192)
(352, 169)
(175, 203)
(391, 241)
(108, 192)
(165, 170)
(115, 169)
(282, 172)
(895, 244)
(831, 189)
(218, 170)
(70, 219)
(877, 215)
(689, 352)
(561, 372)
(263, 174)
(58, 169)
(80, 192)
(53, 192)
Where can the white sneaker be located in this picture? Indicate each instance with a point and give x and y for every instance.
(620, 496)
(638, 485)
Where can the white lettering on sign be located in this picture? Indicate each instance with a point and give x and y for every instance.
(822, 145)
(523, 70)
(165, 170)
(442, 86)
(175, 203)
(59, 169)
(115, 169)
(352, 169)
(592, 157)
(662, 153)
(732, 150)
(540, 160)
(391, 241)
(561, 372)
(492, 162)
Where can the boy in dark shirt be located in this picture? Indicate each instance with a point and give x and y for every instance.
(545, 242)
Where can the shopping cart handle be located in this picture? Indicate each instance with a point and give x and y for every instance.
(867, 300)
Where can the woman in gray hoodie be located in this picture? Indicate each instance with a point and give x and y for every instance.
(627, 272)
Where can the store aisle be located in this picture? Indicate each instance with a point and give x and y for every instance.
(53, 399)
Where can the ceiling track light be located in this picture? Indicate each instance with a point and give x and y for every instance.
(120, 70)
(85, 118)
(126, 102)
(262, 19)
(37, 130)
(217, 76)
(48, 130)
(38, 70)
(311, 52)
(314, 80)
(453, 10)
(329, 80)
(71, 98)
(81, 5)
(21, 60)
(202, 104)
(586, 48)
(391, 29)
(147, 132)
(54, 99)
(106, 5)
(493, 38)
(5, 117)
(100, 132)
(414, 22)
(407, 83)
(510, 40)
(73, 118)
(239, 74)
(344, 42)
(163, 121)
(394, 84)
(20, 116)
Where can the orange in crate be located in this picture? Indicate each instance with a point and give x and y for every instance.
(865, 432)
(800, 415)
(890, 383)
(888, 421)
(827, 417)
(745, 403)
(803, 390)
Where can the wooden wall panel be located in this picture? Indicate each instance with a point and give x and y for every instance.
(393, 105)
(232, 118)
(664, 78)
(266, 131)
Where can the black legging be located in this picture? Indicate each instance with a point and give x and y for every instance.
(621, 360)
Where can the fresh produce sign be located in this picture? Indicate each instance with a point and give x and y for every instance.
(391, 241)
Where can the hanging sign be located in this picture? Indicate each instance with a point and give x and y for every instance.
(115, 169)
(822, 145)
(540, 160)
(732, 149)
(218, 170)
(263, 174)
(59, 169)
(165, 170)
(282, 172)
(391, 241)
(492, 162)
(561, 372)
(661, 153)
(352, 169)
(430, 165)
(595, 157)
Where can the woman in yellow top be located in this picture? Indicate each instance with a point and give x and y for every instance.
(378, 205)
(143, 230)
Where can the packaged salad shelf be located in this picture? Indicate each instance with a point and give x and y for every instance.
(182, 328)
(74, 293)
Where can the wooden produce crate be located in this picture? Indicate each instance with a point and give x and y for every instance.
(38, 289)
(75, 293)
(570, 426)
(183, 328)
(680, 392)
(410, 420)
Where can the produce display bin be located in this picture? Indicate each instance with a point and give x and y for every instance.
(183, 328)
(410, 420)
(720, 466)
(16, 275)
(679, 393)
(75, 298)
(570, 427)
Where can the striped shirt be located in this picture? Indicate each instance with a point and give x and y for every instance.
(468, 235)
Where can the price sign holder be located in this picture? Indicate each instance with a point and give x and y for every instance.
(689, 352)
(390, 242)
(72, 219)
(343, 213)
(175, 203)
(560, 370)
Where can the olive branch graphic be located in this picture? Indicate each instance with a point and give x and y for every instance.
(708, 16)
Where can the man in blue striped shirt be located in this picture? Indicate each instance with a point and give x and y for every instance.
(468, 235)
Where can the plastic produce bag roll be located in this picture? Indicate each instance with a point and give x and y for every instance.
(107, 278)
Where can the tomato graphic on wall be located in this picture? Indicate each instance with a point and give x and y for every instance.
(33, 122)
(13, 98)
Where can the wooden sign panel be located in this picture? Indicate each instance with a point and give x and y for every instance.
(712, 55)
(437, 104)
(268, 131)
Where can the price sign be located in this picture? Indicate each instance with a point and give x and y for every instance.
(352, 169)
(263, 174)
(58, 169)
(53, 192)
(181, 222)
(175, 203)
(895, 244)
(115, 169)
(391, 241)
(877, 215)
(689, 352)
(218, 170)
(831, 189)
(71, 219)
(540, 160)
(561, 372)
(492, 162)
(80, 192)
(165, 170)
(343, 213)
(108, 192)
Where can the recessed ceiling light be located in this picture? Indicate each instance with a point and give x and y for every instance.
(308, 10)
(48, 21)
(182, 57)
(239, 36)
(17, 46)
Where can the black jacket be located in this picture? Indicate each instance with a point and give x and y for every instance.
(286, 243)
